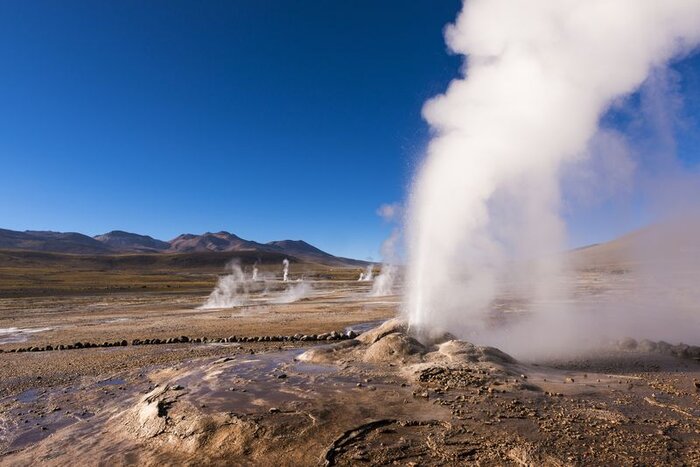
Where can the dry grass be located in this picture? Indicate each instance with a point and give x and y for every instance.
(24, 273)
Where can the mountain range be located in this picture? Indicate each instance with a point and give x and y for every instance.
(118, 242)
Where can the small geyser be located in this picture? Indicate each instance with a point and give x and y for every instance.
(368, 274)
(285, 269)
(294, 292)
(231, 290)
(255, 272)
(384, 283)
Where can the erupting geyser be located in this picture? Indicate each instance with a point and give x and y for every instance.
(538, 77)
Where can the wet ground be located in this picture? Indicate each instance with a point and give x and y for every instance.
(376, 400)
(449, 404)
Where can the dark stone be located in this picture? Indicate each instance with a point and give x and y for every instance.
(124, 343)
(78, 345)
(136, 342)
(184, 339)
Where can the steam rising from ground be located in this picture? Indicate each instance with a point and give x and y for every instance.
(238, 288)
(484, 208)
(231, 290)
(294, 293)
(384, 283)
(368, 274)
(285, 269)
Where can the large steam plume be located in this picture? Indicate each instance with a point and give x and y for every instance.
(538, 76)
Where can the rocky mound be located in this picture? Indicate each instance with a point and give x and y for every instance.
(393, 343)
(160, 422)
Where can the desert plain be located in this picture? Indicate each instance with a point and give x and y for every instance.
(138, 373)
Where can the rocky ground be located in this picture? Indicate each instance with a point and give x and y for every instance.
(380, 398)
(149, 378)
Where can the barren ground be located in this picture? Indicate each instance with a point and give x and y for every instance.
(385, 399)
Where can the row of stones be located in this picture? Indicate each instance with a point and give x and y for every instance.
(329, 336)
(680, 350)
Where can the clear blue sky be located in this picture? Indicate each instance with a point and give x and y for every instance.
(272, 120)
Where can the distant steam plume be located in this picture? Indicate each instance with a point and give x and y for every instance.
(384, 283)
(294, 293)
(538, 77)
(231, 290)
(368, 274)
(285, 270)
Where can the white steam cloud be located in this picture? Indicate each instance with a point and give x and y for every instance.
(367, 275)
(294, 293)
(285, 269)
(384, 283)
(538, 76)
(231, 290)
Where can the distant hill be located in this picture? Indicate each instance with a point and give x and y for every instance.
(62, 242)
(118, 242)
(219, 241)
(676, 242)
(310, 253)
